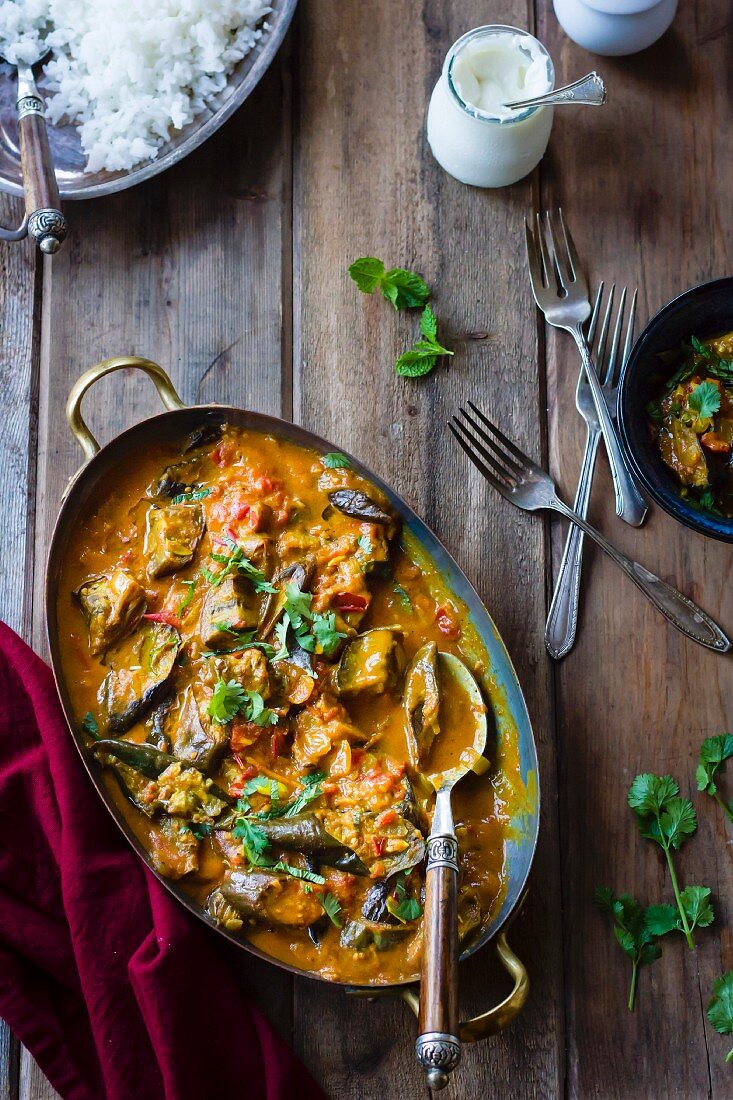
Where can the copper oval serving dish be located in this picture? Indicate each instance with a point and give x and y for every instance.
(510, 729)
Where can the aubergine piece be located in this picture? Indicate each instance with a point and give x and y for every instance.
(173, 848)
(141, 668)
(293, 683)
(112, 604)
(358, 505)
(374, 552)
(272, 898)
(203, 436)
(305, 833)
(172, 533)
(360, 934)
(195, 738)
(151, 762)
(232, 605)
(223, 912)
(421, 703)
(371, 663)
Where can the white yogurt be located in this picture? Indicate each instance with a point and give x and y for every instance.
(470, 131)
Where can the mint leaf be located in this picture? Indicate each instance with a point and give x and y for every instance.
(428, 323)
(414, 364)
(367, 273)
(405, 289)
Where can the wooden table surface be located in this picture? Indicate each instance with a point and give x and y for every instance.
(230, 270)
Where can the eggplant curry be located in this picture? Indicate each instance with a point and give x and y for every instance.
(252, 649)
(692, 422)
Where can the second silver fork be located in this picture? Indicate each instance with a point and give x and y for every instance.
(562, 619)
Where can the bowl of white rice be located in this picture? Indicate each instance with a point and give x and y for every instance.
(131, 87)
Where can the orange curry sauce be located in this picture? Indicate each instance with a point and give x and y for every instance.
(183, 665)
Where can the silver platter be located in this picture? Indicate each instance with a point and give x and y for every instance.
(75, 183)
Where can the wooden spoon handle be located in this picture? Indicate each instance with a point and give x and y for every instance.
(46, 224)
(437, 1047)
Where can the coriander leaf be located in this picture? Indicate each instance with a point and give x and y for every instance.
(408, 909)
(404, 289)
(403, 595)
(367, 273)
(332, 907)
(654, 412)
(254, 841)
(297, 604)
(364, 544)
(256, 711)
(227, 700)
(706, 500)
(90, 725)
(704, 400)
(428, 323)
(678, 822)
(335, 461)
(239, 561)
(702, 349)
(281, 637)
(714, 752)
(197, 494)
(200, 829)
(696, 901)
(661, 919)
(633, 936)
(648, 793)
(720, 1009)
(414, 364)
(325, 633)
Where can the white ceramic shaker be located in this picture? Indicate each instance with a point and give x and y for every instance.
(615, 27)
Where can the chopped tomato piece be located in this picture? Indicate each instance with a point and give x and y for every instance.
(276, 744)
(349, 601)
(167, 617)
(237, 786)
(223, 454)
(387, 817)
(713, 441)
(446, 623)
(379, 843)
(244, 734)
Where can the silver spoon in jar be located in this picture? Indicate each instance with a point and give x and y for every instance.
(590, 89)
(438, 1045)
(43, 219)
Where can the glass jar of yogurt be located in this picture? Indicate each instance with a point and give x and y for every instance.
(470, 131)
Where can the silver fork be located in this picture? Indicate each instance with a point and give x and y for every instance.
(562, 620)
(523, 483)
(561, 292)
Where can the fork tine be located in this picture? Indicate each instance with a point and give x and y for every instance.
(600, 353)
(526, 464)
(480, 466)
(549, 272)
(533, 259)
(615, 339)
(629, 341)
(504, 474)
(572, 251)
(514, 470)
(594, 315)
(560, 262)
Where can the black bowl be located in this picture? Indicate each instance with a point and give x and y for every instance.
(704, 311)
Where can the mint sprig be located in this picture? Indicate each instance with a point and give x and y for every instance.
(423, 355)
(404, 289)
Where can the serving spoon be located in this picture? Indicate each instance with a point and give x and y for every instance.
(438, 1046)
(43, 219)
(590, 89)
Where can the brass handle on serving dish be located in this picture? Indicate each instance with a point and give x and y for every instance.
(496, 1018)
(159, 378)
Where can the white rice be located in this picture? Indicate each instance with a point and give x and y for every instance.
(129, 72)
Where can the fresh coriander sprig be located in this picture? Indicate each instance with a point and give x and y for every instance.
(632, 933)
(230, 699)
(714, 752)
(704, 401)
(668, 820)
(720, 1009)
(662, 919)
(423, 355)
(404, 289)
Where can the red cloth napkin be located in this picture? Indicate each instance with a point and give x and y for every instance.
(109, 982)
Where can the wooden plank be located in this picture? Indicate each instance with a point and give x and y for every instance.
(643, 184)
(366, 184)
(19, 349)
(186, 270)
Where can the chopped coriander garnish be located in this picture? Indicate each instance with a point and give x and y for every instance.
(200, 829)
(334, 460)
(184, 498)
(186, 601)
(239, 562)
(403, 595)
(364, 543)
(704, 400)
(230, 699)
(90, 725)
